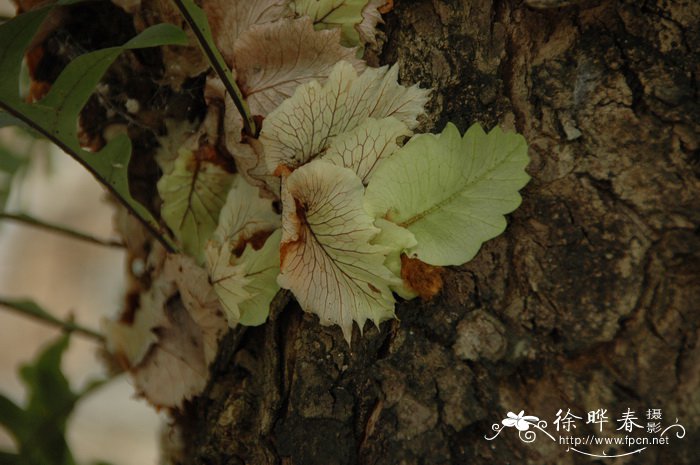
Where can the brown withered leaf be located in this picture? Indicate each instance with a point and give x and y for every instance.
(174, 336)
(425, 279)
(371, 16)
(274, 59)
(229, 19)
(200, 300)
(175, 369)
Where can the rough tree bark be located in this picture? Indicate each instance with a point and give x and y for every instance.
(589, 300)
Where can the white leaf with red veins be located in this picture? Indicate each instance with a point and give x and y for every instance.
(244, 215)
(327, 259)
(303, 126)
(364, 148)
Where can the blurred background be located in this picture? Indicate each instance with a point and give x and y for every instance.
(67, 277)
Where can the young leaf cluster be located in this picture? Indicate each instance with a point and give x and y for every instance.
(356, 203)
(314, 182)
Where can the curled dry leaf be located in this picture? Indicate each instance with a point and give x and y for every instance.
(181, 62)
(130, 6)
(174, 370)
(199, 299)
(130, 341)
(327, 258)
(371, 17)
(304, 125)
(451, 192)
(171, 341)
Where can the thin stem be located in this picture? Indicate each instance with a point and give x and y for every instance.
(217, 62)
(55, 228)
(32, 310)
(167, 244)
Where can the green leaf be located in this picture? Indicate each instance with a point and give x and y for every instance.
(303, 126)
(261, 270)
(246, 285)
(197, 19)
(10, 162)
(344, 14)
(55, 117)
(193, 195)
(327, 258)
(9, 120)
(451, 192)
(11, 417)
(39, 428)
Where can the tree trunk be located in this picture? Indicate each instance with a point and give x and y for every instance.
(588, 301)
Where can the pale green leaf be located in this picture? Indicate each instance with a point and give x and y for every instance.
(451, 192)
(304, 125)
(363, 148)
(245, 283)
(327, 259)
(261, 269)
(343, 14)
(397, 240)
(193, 195)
